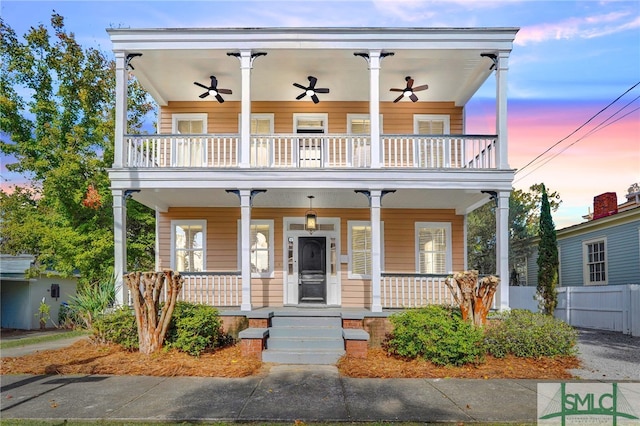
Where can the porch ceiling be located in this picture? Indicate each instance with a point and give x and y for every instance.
(451, 75)
(448, 60)
(462, 201)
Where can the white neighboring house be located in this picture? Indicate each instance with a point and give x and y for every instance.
(21, 296)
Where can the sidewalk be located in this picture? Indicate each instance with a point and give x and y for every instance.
(287, 393)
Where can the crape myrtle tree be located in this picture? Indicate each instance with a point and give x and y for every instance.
(524, 222)
(57, 121)
(548, 263)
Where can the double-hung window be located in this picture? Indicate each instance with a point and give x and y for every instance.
(190, 149)
(433, 248)
(595, 261)
(261, 249)
(360, 253)
(188, 238)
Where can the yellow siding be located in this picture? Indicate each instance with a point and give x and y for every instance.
(397, 118)
(222, 244)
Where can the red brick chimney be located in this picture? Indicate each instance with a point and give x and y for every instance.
(605, 205)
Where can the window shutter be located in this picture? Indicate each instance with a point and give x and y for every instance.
(361, 250)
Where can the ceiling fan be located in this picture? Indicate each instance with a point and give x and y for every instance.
(213, 90)
(408, 91)
(311, 90)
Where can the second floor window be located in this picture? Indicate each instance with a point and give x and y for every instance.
(189, 151)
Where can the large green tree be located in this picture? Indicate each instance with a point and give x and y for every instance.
(57, 119)
(524, 214)
(548, 262)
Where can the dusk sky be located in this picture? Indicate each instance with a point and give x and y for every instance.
(570, 60)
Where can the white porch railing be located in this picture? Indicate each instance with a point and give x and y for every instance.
(439, 151)
(311, 151)
(212, 288)
(414, 290)
(181, 151)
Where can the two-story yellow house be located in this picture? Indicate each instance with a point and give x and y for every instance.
(324, 167)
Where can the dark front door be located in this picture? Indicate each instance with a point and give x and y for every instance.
(312, 269)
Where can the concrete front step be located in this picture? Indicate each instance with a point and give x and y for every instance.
(304, 338)
(305, 343)
(305, 321)
(325, 357)
(306, 332)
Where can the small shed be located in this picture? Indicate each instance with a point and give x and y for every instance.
(20, 296)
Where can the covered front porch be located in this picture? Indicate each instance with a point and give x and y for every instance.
(371, 242)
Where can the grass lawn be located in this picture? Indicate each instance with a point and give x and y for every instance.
(14, 343)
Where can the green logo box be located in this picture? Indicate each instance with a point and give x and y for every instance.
(586, 403)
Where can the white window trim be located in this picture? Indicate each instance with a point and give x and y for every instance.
(432, 117)
(202, 116)
(585, 262)
(260, 116)
(449, 255)
(313, 116)
(350, 225)
(351, 117)
(176, 222)
(271, 272)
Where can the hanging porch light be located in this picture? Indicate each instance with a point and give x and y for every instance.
(311, 218)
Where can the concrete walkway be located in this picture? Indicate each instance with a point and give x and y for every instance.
(287, 393)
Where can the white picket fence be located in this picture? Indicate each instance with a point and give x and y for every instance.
(612, 308)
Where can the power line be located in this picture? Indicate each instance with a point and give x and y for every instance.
(596, 129)
(576, 130)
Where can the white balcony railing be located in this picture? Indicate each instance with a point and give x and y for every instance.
(312, 151)
(414, 290)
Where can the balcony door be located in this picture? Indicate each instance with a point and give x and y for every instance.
(310, 146)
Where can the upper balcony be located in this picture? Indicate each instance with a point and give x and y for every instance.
(295, 151)
(263, 71)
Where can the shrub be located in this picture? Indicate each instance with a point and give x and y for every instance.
(437, 334)
(194, 328)
(91, 301)
(532, 335)
(118, 327)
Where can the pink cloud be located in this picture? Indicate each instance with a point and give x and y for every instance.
(582, 27)
(606, 161)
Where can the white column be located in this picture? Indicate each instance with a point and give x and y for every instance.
(374, 106)
(120, 244)
(121, 108)
(245, 247)
(245, 110)
(502, 159)
(502, 249)
(376, 251)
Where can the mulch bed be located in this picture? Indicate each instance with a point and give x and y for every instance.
(86, 357)
(380, 365)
